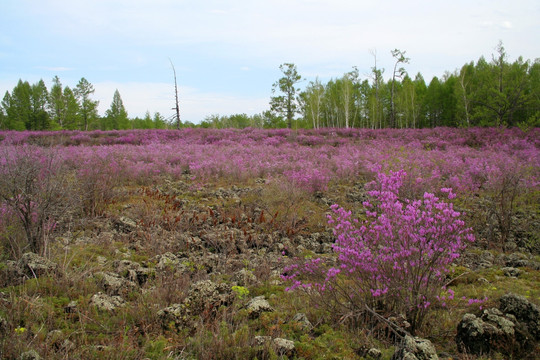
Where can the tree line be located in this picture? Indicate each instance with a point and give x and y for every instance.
(493, 93)
(34, 107)
(485, 93)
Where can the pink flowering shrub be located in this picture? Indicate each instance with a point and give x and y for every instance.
(393, 261)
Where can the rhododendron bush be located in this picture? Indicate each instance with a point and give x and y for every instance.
(395, 260)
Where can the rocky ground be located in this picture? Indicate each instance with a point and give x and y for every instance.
(184, 271)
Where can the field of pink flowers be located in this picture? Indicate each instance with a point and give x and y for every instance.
(467, 160)
(401, 206)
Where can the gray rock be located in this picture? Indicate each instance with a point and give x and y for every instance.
(257, 306)
(284, 347)
(511, 271)
(71, 308)
(30, 355)
(33, 265)
(524, 312)
(173, 316)
(204, 297)
(133, 271)
(415, 349)
(114, 284)
(244, 277)
(262, 340)
(3, 326)
(494, 331)
(302, 319)
(105, 302)
(125, 224)
(207, 295)
(167, 261)
(374, 353)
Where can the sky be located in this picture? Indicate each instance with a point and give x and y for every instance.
(227, 53)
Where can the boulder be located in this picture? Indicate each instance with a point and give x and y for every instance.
(133, 271)
(302, 319)
(498, 330)
(257, 306)
(524, 311)
(33, 266)
(511, 271)
(30, 355)
(125, 224)
(114, 284)
(284, 347)
(203, 298)
(244, 277)
(374, 354)
(105, 302)
(415, 348)
(174, 316)
(207, 295)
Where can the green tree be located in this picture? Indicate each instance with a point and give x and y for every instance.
(39, 117)
(312, 102)
(159, 121)
(501, 89)
(72, 110)
(116, 117)
(18, 106)
(87, 107)
(287, 103)
(57, 103)
(397, 74)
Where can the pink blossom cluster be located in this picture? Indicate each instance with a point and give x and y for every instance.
(397, 257)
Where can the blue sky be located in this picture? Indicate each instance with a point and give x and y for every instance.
(227, 53)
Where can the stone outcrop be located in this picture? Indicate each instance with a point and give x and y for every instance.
(511, 330)
(204, 299)
(257, 306)
(415, 348)
(105, 302)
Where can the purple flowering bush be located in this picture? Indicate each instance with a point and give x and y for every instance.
(395, 260)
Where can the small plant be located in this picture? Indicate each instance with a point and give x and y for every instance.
(395, 261)
(240, 291)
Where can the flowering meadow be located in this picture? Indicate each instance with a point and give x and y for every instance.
(467, 160)
(184, 229)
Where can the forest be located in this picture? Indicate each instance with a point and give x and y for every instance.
(482, 93)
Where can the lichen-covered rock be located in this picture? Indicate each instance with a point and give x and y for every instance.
(3, 326)
(415, 348)
(244, 277)
(524, 311)
(257, 306)
(284, 347)
(207, 295)
(114, 284)
(168, 262)
(262, 340)
(302, 319)
(133, 271)
(105, 302)
(125, 224)
(374, 353)
(493, 331)
(511, 271)
(32, 265)
(71, 308)
(30, 355)
(174, 316)
(203, 298)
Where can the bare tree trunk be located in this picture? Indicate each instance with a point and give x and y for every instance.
(177, 108)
